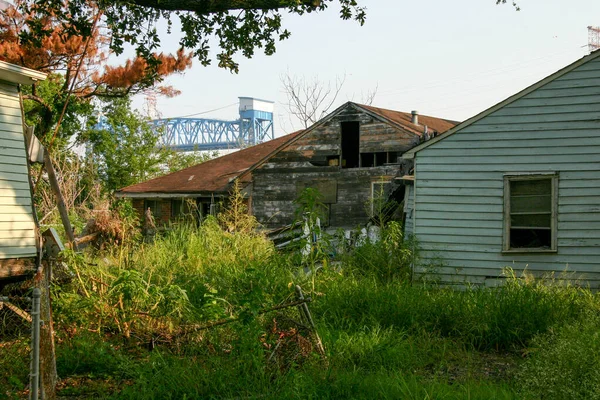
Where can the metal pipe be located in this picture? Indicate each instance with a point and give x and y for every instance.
(415, 117)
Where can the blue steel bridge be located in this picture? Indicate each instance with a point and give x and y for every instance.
(254, 126)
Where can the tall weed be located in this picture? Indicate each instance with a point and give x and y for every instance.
(502, 318)
(563, 364)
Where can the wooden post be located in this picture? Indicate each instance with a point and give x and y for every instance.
(305, 313)
(47, 348)
(60, 202)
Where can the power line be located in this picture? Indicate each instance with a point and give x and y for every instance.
(458, 79)
(205, 112)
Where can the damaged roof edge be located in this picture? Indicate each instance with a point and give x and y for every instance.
(410, 154)
(155, 195)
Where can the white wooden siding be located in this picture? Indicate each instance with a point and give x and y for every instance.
(17, 228)
(459, 185)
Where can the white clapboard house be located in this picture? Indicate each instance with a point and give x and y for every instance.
(19, 238)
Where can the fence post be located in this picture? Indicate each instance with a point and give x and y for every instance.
(34, 377)
(305, 313)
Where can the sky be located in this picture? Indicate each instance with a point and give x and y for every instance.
(448, 59)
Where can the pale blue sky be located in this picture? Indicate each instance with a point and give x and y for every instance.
(448, 59)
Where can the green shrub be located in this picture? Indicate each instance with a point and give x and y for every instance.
(387, 260)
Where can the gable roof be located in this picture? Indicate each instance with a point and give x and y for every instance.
(398, 119)
(213, 176)
(410, 154)
(404, 120)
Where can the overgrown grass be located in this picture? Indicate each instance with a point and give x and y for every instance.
(563, 364)
(506, 318)
(384, 338)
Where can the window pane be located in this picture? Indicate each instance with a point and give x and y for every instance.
(530, 187)
(529, 204)
(531, 220)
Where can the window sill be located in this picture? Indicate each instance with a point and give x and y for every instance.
(527, 251)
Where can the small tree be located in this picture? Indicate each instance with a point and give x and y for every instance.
(126, 151)
(74, 47)
(235, 217)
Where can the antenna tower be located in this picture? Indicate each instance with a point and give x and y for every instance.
(151, 106)
(593, 38)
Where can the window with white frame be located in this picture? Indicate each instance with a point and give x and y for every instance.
(530, 212)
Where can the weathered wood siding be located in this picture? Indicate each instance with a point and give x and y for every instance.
(276, 183)
(17, 228)
(459, 184)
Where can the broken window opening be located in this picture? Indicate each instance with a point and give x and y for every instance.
(380, 158)
(530, 212)
(367, 160)
(182, 207)
(155, 208)
(333, 161)
(350, 144)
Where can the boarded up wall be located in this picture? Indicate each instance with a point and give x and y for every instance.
(17, 228)
(459, 184)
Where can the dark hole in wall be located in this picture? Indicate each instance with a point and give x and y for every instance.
(350, 144)
(367, 160)
(380, 158)
(530, 238)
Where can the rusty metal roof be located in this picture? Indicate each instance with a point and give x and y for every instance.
(405, 120)
(213, 176)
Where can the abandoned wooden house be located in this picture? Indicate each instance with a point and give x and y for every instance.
(199, 188)
(19, 237)
(351, 156)
(518, 186)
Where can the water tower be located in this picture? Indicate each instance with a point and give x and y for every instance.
(256, 120)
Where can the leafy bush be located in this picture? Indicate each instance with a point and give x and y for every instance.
(386, 260)
(189, 276)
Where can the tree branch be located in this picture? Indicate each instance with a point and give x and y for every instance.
(38, 100)
(216, 6)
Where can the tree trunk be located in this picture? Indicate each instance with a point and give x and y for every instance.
(60, 202)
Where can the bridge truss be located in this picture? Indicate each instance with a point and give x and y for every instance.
(188, 134)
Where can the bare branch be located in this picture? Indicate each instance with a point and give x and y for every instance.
(308, 101)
